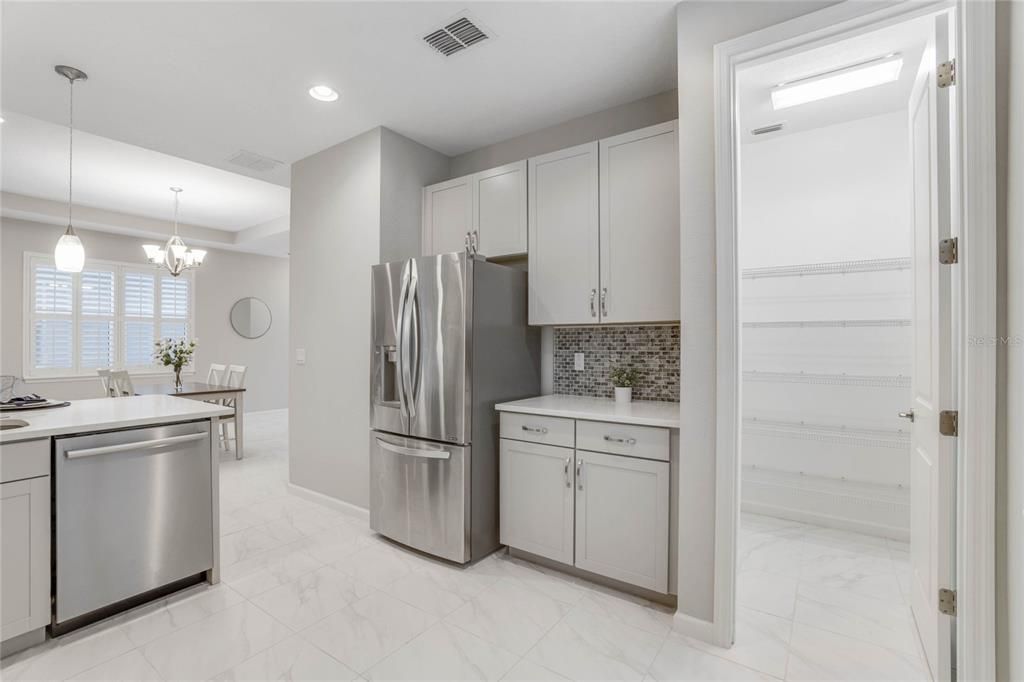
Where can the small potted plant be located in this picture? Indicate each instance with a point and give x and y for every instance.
(174, 353)
(624, 379)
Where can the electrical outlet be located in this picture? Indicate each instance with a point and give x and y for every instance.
(300, 356)
(578, 362)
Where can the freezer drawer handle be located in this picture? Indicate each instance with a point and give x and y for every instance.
(413, 452)
(535, 429)
(138, 445)
(623, 441)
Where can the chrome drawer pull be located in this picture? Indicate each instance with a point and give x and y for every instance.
(579, 475)
(535, 429)
(568, 461)
(623, 441)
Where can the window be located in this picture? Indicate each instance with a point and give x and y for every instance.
(108, 315)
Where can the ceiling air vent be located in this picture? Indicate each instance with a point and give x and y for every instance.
(254, 161)
(773, 128)
(455, 37)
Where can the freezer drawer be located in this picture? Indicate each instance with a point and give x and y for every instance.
(419, 494)
(134, 512)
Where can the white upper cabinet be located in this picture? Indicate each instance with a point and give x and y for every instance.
(447, 215)
(640, 225)
(563, 267)
(499, 210)
(488, 207)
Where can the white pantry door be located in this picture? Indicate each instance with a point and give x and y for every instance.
(933, 456)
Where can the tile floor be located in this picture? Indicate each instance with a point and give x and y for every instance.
(311, 594)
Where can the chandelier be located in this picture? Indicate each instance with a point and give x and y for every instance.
(174, 255)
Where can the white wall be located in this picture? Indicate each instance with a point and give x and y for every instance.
(831, 194)
(225, 277)
(406, 166)
(700, 25)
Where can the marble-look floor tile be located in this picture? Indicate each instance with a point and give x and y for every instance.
(820, 655)
(680, 660)
(215, 643)
(510, 615)
(445, 652)
(291, 659)
(773, 593)
(311, 597)
(886, 623)
(627, 609)
(68, 656)
(268, 570)
(365, 632)
(156, 620)
(247, 543)
(536, 578)
(338, 542)
(587, 646)
(378, 565)
(762, 642)
(528, 671)
(432, 592)
(872, 576)
(129, 667)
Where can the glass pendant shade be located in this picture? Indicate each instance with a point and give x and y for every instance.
(154, 254)
(69, 255)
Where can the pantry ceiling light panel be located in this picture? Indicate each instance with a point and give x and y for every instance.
(852, 78)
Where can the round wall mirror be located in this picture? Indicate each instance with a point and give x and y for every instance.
(250, 317)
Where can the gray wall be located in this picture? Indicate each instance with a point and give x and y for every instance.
(335, 238)
(621, 119)
(406, 166)
(699, 26)
(225, 277)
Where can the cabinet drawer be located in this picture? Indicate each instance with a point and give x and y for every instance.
(648, 442)
(537, 429)
(24, 459)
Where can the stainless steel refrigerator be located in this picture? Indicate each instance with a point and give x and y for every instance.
(450, 339)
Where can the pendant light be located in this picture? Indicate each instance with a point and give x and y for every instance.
(69, 254)
(174, 255)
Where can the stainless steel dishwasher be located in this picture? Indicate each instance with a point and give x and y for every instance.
(133, 513)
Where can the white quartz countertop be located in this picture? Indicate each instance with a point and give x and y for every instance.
(642, 412)
(101, 414)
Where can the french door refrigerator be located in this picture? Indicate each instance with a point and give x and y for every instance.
(449, 340)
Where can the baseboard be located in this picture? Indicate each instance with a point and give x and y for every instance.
(332, 502)
(697, 628)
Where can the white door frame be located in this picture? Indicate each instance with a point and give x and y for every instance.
(974, 295)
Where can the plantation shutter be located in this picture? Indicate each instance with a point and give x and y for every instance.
(52, 318)
(139, 318)
(96, 333)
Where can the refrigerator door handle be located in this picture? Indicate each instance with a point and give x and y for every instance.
(405, 350)
(413, 452)
(400, 342)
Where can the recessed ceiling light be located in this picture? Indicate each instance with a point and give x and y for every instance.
(323, 93)
(839, 82)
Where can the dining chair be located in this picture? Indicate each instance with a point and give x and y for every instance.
(235, 378)
(216, 375)
(104, 375)
(121, 384)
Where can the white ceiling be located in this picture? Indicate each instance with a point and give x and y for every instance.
(121, 177)
(204, 80)
(755, 83)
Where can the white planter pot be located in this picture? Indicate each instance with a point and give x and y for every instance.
(623, 396)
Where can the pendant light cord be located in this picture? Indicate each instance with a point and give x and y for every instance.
(71, 145)
(176, 195)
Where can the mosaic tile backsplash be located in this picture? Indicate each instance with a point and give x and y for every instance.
(652, 350)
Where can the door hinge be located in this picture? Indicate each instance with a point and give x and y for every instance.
(948, 422)
(945, 75)
(947, 601)
(949, 251)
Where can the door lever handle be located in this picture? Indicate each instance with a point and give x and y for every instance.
(908, 415)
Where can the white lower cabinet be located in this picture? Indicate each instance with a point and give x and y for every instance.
(622, 518)
(601, 512)
(25, 549)
(536, 500)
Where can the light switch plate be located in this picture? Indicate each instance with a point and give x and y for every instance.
(300, 356)
(578, 362)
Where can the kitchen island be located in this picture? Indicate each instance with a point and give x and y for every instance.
(105, 503)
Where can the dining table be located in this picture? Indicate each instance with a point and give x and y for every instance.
(196, 390)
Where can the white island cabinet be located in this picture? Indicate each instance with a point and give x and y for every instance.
(589, 485)
(38, 449)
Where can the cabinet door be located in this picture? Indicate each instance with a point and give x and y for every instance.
(640, 226)
(564, 236)
(499, 210)
(622, 518)
(447, 215)
(25, 546)
(536, 499)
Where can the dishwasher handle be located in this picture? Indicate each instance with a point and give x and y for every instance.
(137, 445)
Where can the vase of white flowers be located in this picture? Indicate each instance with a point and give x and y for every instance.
(624, 379)
(175, 353)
